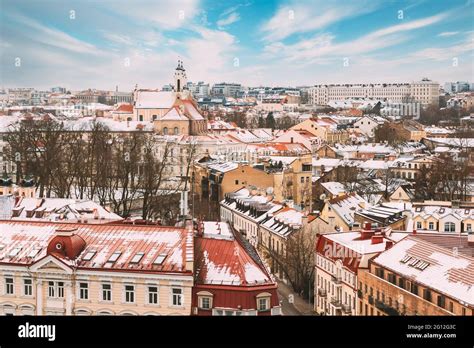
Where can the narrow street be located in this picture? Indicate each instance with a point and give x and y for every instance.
(298, 306)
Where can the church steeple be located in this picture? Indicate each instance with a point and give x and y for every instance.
(180, 79)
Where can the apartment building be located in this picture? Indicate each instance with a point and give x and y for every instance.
(339, 259)
(425, 91)
(91, 269)
(423, 274)
(443, 217)
(245, 210)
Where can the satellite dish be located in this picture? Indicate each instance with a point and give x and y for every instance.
(322, 197)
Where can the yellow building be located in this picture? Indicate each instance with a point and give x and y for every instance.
(87, 269)
(420, 275)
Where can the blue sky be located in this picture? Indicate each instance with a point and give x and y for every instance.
(103, 43)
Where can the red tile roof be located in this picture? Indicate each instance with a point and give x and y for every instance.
(125, 108)
(228, 262)
(19, 239)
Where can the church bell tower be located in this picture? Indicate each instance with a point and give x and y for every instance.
(180, 79)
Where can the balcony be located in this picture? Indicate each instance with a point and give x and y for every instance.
(322, 292)
(359, 294)
(371, 299)
(336, 280)
(336, 302)
(386, 308)
(346, 309)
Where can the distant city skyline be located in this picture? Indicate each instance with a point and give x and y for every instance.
(88, 44)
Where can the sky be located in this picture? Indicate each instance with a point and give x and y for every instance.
(102, 44)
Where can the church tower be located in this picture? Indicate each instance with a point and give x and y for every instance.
(180, 79)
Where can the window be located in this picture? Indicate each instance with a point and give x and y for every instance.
(129, 293)
(60, 288)
(263, 304)
(137, 257)
(83, 291)
(205, 302)
(469, 227)
(427, 294)
(51, 289)
(106, 292)
(55, 289)
(449, 227)
(165, 131)
(153, 295)
(27, 287)
(176, 131)
(159, 260)
(431, 226)
(140, 118)
(418, 225)
(441, 301)
(154, 117)
(114, 257)
(236, 182)
(9, 290)
(177, 296)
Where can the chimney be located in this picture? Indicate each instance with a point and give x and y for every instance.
(388, 244)
(376, 240)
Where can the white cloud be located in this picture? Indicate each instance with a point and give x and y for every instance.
(305, 17)
(53, 37)
(448, 33)
(323, 45)
(231, 18)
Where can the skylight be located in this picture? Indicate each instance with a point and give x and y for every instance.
(89, 255)
(137, 257)
(159, 260)
(115, 256)
(34, 252)
(14, 252)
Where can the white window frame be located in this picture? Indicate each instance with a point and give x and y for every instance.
(267, 298)
(105, 291)
(157, 294)
(83, 291)
(28, 286)
(179, 296)
(9, 287)
(129, 292)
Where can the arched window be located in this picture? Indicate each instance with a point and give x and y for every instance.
(449, 227)
(176, 131)
(165, 131)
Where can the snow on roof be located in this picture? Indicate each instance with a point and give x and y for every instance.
(154, 99)
(439, 212)
(54, 209)
(223, 167)
(215, 229)
(352, 241)
(104, 239)
(284, 222)
(454, 142)
(286, 160)
(346, 206)
(334, 187)
(228, 262)
(174, 114)
(447, 272)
